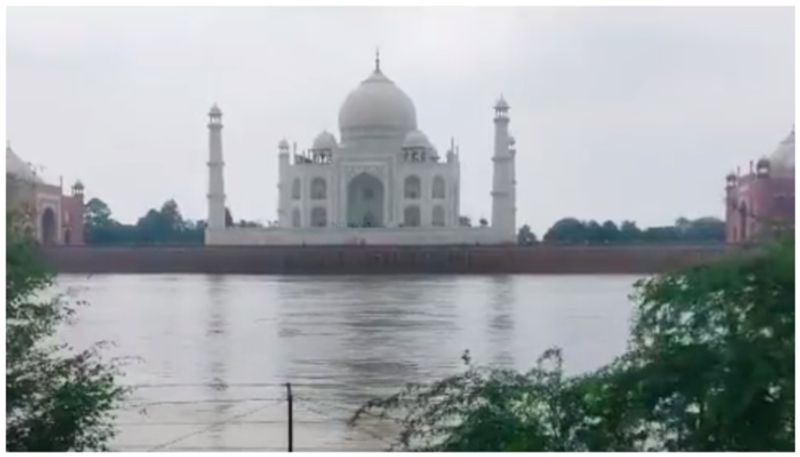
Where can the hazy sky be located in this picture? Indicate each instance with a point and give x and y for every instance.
(618, 113)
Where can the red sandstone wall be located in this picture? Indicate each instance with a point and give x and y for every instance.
(72, 219)
(767, 199)
(379, 259)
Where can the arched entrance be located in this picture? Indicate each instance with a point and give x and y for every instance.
(411, 216)
(48, 223)
(365, 201)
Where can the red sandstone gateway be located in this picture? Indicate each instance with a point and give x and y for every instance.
(762, 200)
(54, 217)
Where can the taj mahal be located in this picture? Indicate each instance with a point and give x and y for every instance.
(381, 183)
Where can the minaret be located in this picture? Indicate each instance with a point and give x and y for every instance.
(216, 183)
(503, 185)
(283, 184)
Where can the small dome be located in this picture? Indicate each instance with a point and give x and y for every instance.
(325, 140)
(511, 141)
(283, 145)
(416, 139)
(78, 185)
(377, 105)
(19, 169)
(782, 160)
(215, 111)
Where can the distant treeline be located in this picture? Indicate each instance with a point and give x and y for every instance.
(167, 226)
(157, 226)
(573, 231)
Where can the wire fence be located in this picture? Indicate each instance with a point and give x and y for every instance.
(220, 416)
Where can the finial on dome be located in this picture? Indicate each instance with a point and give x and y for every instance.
(377, 60)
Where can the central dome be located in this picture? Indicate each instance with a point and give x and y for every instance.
(782, 160)
(377, 107)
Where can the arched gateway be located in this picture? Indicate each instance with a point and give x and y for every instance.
(365, 201)
(48, 225)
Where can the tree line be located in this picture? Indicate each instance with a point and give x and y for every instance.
(166, 225)
(158, 226)
(573, 231)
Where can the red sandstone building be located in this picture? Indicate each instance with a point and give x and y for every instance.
(762, 200)
(54, 218)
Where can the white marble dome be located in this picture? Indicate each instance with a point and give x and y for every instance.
(781, 162)
(416, 139)
(17, 168)
(377, 107)
(325, 140)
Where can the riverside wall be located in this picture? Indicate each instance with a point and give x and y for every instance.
(541, 259)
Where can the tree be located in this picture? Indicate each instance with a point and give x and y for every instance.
(57, 399)
(660, 235)
(706, 229)
(526, 237)
(568, 231)
(162, 226)
(609, 232)
(96, 214)
(151, 227)
(629, 232)
(484, 222)
(171, 217)
(594, 233)
(682, 224)
(98, 225)
(165, 225)
(228, 218)
(710, 367)
(464, 221)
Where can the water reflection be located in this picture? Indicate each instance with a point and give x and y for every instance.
(339, 340)
(217, 350)
(501, 324)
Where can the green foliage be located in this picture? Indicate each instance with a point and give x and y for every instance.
(57, 399)
(716, 346)
(568, 230)
(710, 367)
(573, 231)
(96, 213)
(164, 226)
(526, 237)
(628, 231)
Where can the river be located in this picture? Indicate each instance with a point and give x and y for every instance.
(208, 355)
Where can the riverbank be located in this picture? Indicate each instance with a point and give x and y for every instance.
(540, 259)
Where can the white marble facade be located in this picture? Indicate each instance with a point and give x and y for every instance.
(382, 183)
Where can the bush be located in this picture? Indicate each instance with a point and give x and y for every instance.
(710, 367)
(57, 399)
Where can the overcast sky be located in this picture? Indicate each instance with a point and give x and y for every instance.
(618, 113)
